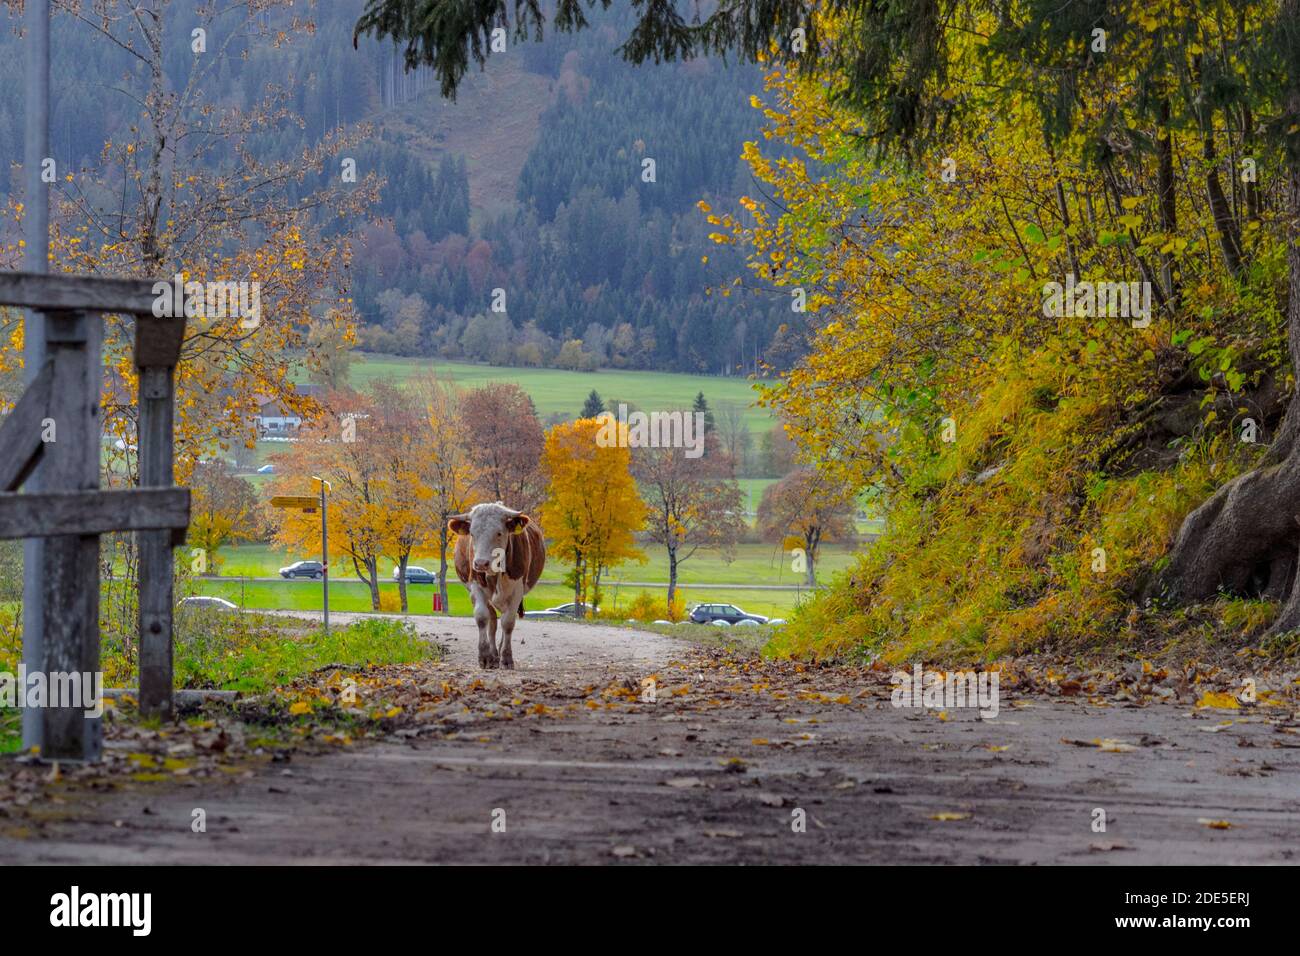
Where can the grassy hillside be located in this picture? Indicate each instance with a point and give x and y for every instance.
(430, 127)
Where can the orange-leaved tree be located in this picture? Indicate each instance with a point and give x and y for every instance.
(592, 507)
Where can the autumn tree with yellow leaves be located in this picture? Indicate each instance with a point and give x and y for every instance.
(185, 192)
(397, 470)
(930, 206)
(192, 198)
(223, 509)
(443, 465)
(343, 445)
(396, 438)
(592, 507)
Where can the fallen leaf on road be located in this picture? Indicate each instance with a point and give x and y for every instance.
(1218, 700)
(623, 851)
(1214, 824)
(1216, 728)
(727, 834)
(1104, 743)
(948, 815)
(1107, 847)
(684, 783)
(1114, 746)
(771, 799)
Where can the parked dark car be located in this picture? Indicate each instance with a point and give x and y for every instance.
(416, 575)
(710, 613)
(303, 569)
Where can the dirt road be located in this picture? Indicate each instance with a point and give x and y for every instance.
(564, 761)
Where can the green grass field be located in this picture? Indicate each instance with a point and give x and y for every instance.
(559, 391)
(755, 564)
(355, 596)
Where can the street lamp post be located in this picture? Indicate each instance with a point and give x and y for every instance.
(324, 552)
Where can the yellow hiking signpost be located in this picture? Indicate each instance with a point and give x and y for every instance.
(308, 505)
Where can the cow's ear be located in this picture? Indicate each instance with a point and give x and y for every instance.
(459, 524)
(517, 553)
(517, 523)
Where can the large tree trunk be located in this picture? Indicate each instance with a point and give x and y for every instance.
(372, 579)
(1244, 539)
(812, 538)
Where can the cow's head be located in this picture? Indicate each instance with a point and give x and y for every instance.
(490, 526)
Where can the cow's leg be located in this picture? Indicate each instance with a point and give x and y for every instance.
(507, 629)
(493, 656)
(483, 616)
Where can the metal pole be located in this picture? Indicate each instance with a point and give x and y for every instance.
(36, 233)
(325, 555)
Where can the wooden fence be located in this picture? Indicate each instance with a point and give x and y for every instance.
(56, 425)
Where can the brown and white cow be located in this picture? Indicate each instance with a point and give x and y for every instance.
(499, 557)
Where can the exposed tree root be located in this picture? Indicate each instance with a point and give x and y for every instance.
(1246, 538)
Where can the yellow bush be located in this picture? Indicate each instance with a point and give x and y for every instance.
(648, 607)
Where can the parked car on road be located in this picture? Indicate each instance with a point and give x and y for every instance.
(571, 610)
(727, 613)
(303, 569)
(266, 470)
(415, 575)
(546, 616)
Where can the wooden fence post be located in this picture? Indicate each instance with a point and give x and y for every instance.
(55, 426)
(157, 349)
(70, 563)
